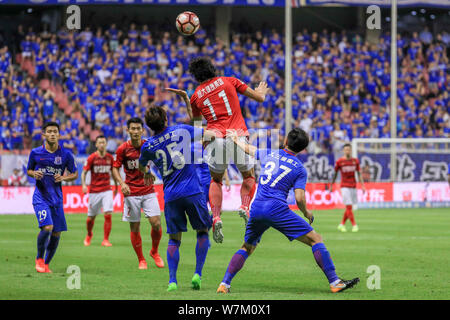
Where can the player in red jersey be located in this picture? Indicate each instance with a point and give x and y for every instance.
(138, 193)
(100, 164)
(348, 167)
(216, 98)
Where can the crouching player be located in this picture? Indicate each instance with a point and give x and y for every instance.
(170, 149)
(47, 165)
(280, 171)
(100, 164)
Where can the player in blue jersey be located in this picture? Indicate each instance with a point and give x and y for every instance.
(171, 150)
(47, 165)
(281, 170)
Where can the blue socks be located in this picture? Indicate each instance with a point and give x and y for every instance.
(201, 251)
(51, 248)
(42, 240)
(173, 257)
(236, 264)
(324, 261)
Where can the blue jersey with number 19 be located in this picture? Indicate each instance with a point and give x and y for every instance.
(172, 153)
(280, 171)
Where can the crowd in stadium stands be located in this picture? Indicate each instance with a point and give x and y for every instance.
(340, 83)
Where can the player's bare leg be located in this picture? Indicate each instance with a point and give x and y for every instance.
(323, 260)
(173, 258)
(107, 229)
(89, 226)
(42, 243)
(136, 242)
(156, 235)
(215, 200)
(247, 192)
(235, 265)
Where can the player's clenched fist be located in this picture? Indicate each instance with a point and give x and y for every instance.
(58, 178)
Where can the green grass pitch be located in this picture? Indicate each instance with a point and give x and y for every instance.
(411, 247)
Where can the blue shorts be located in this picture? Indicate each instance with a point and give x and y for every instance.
(50, 215)
(194, 207)
(275, 214)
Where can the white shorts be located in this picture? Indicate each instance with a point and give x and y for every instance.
(220, 152)
(132, 207)
(349, 196)
(100, 200)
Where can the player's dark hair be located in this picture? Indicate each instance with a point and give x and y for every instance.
(202, 69)
(155, 118)
(347, 145)
(297, 140)
(135, 120)
(50, 124)
(100, 137)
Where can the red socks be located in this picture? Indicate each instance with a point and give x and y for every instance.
(136, 241)
(90, 226)
(107, 227)
(248, 190)
(156, 237)
(349, 215)
(215, 198)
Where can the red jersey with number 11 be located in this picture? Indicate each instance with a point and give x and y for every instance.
(218, 102)
(348, 168)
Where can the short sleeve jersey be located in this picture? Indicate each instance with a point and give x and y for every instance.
(47, 190)
(348, 169)
(172, 153)
(100, 168)
(217, 100)
(128, 156)
(281, 171)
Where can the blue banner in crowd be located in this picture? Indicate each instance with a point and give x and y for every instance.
(376, 167)
(273, 3)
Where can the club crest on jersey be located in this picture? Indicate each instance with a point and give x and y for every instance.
(58, 160)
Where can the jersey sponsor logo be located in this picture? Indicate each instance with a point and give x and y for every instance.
(133, 164)
(58, 160)
(102, 169)
(348, 169)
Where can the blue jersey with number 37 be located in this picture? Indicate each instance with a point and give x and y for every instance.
(172, 153)
(280, 172)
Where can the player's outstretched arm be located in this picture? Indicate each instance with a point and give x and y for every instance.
(259, 93)
(248, 148)
(183, 94)
(301, 203)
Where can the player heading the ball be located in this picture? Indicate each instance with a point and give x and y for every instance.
(216, 99)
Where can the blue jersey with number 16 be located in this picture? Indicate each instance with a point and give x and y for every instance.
(280, 171)
(172, 153)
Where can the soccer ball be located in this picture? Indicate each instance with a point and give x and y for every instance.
(187, 23)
